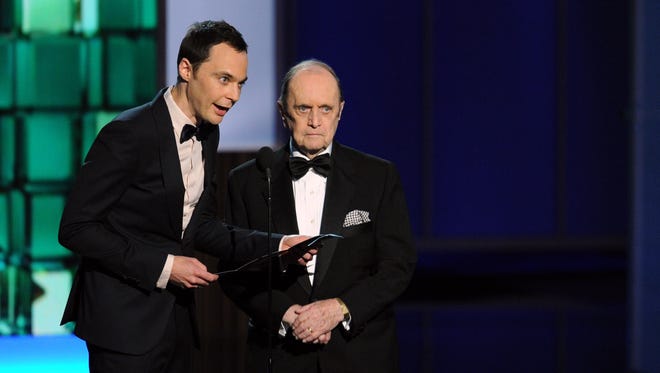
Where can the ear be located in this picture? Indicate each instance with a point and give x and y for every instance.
(341, 109)
(185, 69)
(283, 114)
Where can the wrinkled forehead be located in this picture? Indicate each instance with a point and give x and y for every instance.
(314, 85)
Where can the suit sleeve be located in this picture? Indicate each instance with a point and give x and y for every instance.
(105, 175)
(248, 292)
(231, 244)
(396, 257)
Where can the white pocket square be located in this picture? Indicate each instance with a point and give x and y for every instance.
(356, 217)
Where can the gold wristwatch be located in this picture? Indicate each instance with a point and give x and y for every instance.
(344, 309)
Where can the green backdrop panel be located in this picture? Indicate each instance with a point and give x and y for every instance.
(121, 71)
(6, 72)
(48, 146)
(93, 72)
(145, 62)
(4, 227)
(48, 72)
(50, 16)
(127, 14)
(45, 221)
(7, 144)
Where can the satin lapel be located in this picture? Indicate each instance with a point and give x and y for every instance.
(338, 193)
(169, 162)
(284, 211)
(209, 151)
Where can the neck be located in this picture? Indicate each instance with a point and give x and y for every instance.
(180, 97)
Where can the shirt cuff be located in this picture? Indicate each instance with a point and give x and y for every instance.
(279, 248)
(284, 328)
(347, 324)
(167, 271)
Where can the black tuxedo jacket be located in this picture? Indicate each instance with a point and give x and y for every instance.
(368, 269)
(124, 216)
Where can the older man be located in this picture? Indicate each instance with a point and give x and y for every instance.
(336, 314)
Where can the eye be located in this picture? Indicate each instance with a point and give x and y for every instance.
(303, 109)
(224, 79)
(326, 109)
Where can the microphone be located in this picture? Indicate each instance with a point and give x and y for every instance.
(264, 160)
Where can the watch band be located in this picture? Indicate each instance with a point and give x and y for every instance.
(344, 309)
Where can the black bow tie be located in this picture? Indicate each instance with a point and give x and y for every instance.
(299, 166)
(201, 132)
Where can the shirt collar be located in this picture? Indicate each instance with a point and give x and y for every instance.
(179, 119)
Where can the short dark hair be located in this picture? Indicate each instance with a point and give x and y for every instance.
(284, 88)
(201, 36)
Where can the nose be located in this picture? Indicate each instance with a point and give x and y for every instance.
(314, 119)
(234, 93)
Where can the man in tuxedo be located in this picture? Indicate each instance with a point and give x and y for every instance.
(143, 200)
(336, 314)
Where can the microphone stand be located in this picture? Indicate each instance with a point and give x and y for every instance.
(269, 356)
(264, 160)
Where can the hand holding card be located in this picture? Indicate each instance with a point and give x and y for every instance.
(285, 257)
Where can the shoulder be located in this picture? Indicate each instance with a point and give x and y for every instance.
(138, 121)
(347, 157)
(250, 168)
(244, 169)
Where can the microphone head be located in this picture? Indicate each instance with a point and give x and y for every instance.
(264, 158)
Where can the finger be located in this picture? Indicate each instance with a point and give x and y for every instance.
(208, 277)
(310, 335)
(302, 331)
(305, 308)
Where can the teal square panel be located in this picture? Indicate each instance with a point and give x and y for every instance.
(7, 149)
(49, 16)
(48, 72)
(6, 72)
(48, 146)
(4, 225)
(127, 14)
(145, 62)
(17, 221)
(93, 72)
(121, 72)
(46, 211)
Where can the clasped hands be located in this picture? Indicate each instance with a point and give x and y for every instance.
(189, 272)
(313, 323)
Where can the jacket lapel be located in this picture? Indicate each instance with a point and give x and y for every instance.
(169, 162)
(338, 193)
(284, 210)
(209, 151)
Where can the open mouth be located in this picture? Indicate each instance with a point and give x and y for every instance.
(221, 110)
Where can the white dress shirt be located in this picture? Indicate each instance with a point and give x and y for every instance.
(309, 196)
(192, 171)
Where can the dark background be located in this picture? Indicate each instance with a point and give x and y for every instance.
(514, 126)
